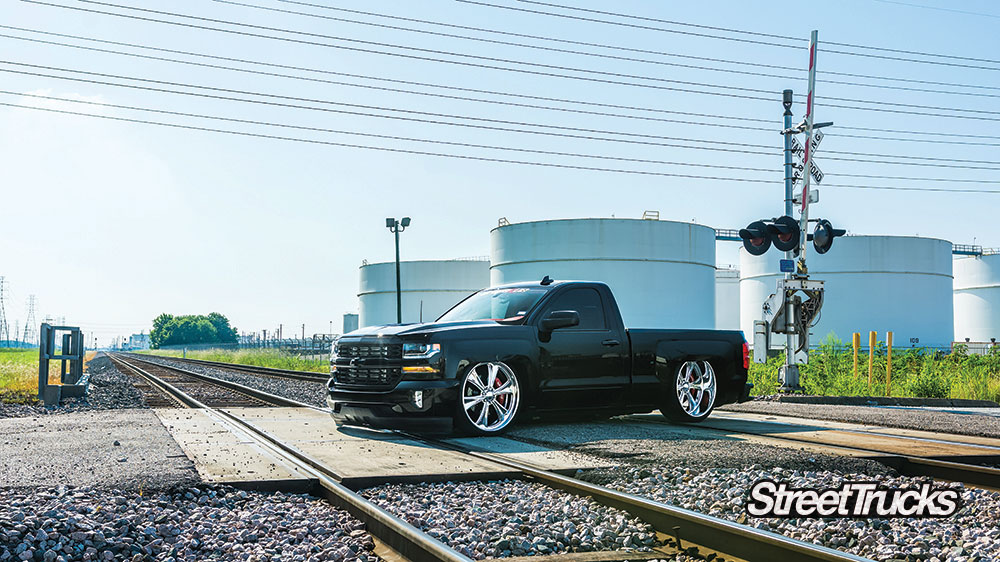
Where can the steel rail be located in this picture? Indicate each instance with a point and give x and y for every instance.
(399, 535)
(727, 537)
(273, 399)
(714, 533)
(907, 465)
(264, 371)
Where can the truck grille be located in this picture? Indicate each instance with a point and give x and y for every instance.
(385, 375)
(368, 376)
(370, 351)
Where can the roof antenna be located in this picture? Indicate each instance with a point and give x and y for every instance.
(546, 280)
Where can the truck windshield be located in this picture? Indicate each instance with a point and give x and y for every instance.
(495, 304)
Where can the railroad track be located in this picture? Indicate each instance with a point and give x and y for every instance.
(681, 529)
(204, 389)
(252, 369)
(916, 454)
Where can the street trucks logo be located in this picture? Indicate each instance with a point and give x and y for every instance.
(853, 499)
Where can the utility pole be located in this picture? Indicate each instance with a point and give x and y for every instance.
(29, 325)
(4, 329)
(303, 332)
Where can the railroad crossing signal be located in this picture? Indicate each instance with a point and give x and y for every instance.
(782, 232)
(824, 234)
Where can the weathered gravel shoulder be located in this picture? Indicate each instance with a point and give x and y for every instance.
(512, 518)
(304, 391)
(638, 443)
(903, 418)
(969, 535)
(198, 523)
(127, 449)
(109, 389)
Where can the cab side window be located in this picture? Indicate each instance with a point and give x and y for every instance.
(587, 302)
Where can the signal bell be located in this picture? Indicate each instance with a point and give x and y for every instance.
(824, 234)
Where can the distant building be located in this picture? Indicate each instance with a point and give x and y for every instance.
(350, 322)
(138, 341)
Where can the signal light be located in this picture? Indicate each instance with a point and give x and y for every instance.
(782, 232)
(756, 238)
(785, 233)
(824, 234)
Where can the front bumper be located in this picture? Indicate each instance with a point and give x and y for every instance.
(397, 408)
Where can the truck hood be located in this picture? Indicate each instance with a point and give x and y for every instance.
(418, 329)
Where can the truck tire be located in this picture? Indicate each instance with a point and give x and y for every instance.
(690, 393)
(489, 399)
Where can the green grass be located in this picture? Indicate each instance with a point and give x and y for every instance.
(19, 374)
(915, 372)
(274, 358)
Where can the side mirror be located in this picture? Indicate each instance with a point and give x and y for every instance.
(560, 319)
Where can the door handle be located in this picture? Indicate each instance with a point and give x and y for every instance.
(610, 343)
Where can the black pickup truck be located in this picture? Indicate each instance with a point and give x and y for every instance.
(527, 349)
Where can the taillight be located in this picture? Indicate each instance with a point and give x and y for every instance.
(746, 355)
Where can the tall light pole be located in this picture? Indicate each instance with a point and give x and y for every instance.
(397, 226)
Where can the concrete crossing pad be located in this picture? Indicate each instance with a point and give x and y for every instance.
(359, 457)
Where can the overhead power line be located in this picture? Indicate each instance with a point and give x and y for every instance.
(477, 90)
(770, 151)
(395, 137)
(473, 157)
(742, 64)
(394, 81)
(800, 40)
(744, 148)
(548, 72)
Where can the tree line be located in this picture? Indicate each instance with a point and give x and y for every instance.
(193, 328)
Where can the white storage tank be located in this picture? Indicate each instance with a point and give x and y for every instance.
(727, 298)
(977, 298)
(901, 284)
(429, 288)
(662, 273)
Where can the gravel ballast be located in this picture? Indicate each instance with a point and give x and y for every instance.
(969, 535)
(313, 393)
(197, 523)
(512, 518)
(643, 443)
(109, 389)
(904, 418)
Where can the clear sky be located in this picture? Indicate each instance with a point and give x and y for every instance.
(111, 223)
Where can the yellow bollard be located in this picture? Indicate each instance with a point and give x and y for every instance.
(871, 358)
(856, 343)
(888, 362)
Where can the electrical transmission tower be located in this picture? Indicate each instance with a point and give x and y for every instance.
(4, 328)
(30, 333)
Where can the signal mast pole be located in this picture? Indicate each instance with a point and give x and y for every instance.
(788, 375)
(787, 98)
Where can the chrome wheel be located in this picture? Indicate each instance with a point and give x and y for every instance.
(490, 396)
(696, 388)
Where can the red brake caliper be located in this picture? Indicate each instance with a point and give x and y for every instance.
(501, 399)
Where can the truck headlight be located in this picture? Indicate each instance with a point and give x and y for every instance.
(420, 350)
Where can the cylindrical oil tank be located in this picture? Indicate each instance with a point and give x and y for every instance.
(977, 298)
(727, 298)
(662, 273)
(901, 284)
(429, 288)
